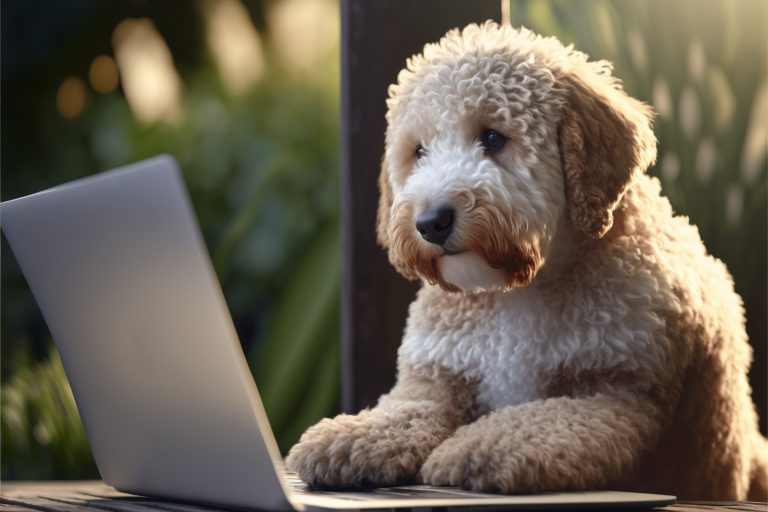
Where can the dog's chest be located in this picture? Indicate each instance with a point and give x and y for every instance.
(504, 342)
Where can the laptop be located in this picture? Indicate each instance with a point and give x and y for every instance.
(122, 276)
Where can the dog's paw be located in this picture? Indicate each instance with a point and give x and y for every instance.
(373, 448)
(481, 460)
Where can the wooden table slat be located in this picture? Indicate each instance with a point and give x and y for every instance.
(114, 504)
(700, 506)
(92, 496)
(90, 504)
(154, 504)
(86, 496)
(46, 505)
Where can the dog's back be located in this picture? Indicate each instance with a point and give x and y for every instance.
(710, 447)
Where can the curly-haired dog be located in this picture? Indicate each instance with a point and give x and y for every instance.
(571, 332)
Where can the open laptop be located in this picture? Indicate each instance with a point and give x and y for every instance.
(120, 271)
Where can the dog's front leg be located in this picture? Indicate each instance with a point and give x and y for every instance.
(548, 445)
(388, 444)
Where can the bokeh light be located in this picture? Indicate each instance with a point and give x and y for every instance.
(234, 43)
(303, 31)
(70, 98)
(103, 74)
(756, 145)
(151, 84)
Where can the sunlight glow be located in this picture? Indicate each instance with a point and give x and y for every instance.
(690, 112)
(303, 31)
(756, 146)
(637, 50)
(234, 43)
(724, 101)
(151, 84)
(662, 99)
(506, 17)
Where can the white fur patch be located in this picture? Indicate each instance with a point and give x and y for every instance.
(497, 341)
(470, 272)
(602, 316)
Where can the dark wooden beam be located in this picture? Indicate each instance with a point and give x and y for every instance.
(377, 36)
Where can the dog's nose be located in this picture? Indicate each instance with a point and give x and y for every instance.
(435, 225)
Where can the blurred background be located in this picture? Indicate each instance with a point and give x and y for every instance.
(245, 94)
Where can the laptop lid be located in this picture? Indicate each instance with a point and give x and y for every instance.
(119, 269)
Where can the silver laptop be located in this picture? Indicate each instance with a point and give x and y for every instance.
(120, 271)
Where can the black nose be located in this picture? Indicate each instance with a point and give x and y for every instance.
(435, 225)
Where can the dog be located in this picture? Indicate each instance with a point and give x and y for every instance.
(571, 332)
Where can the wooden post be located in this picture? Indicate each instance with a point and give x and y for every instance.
(377, 36)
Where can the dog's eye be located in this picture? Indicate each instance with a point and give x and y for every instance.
(420, 152)
(493, 140)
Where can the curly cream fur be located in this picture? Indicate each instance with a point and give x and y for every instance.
(388, 444)
(571, 333)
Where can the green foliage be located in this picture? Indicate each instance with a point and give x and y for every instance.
(297, 368)
(261, 169)
(41, 429)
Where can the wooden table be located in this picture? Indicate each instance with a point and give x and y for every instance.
(90, 496)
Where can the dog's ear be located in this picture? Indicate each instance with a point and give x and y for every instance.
(605, 139)
(385, 206)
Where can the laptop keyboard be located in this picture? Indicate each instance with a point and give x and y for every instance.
(379, 493)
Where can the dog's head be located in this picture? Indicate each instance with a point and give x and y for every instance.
(495, 139)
